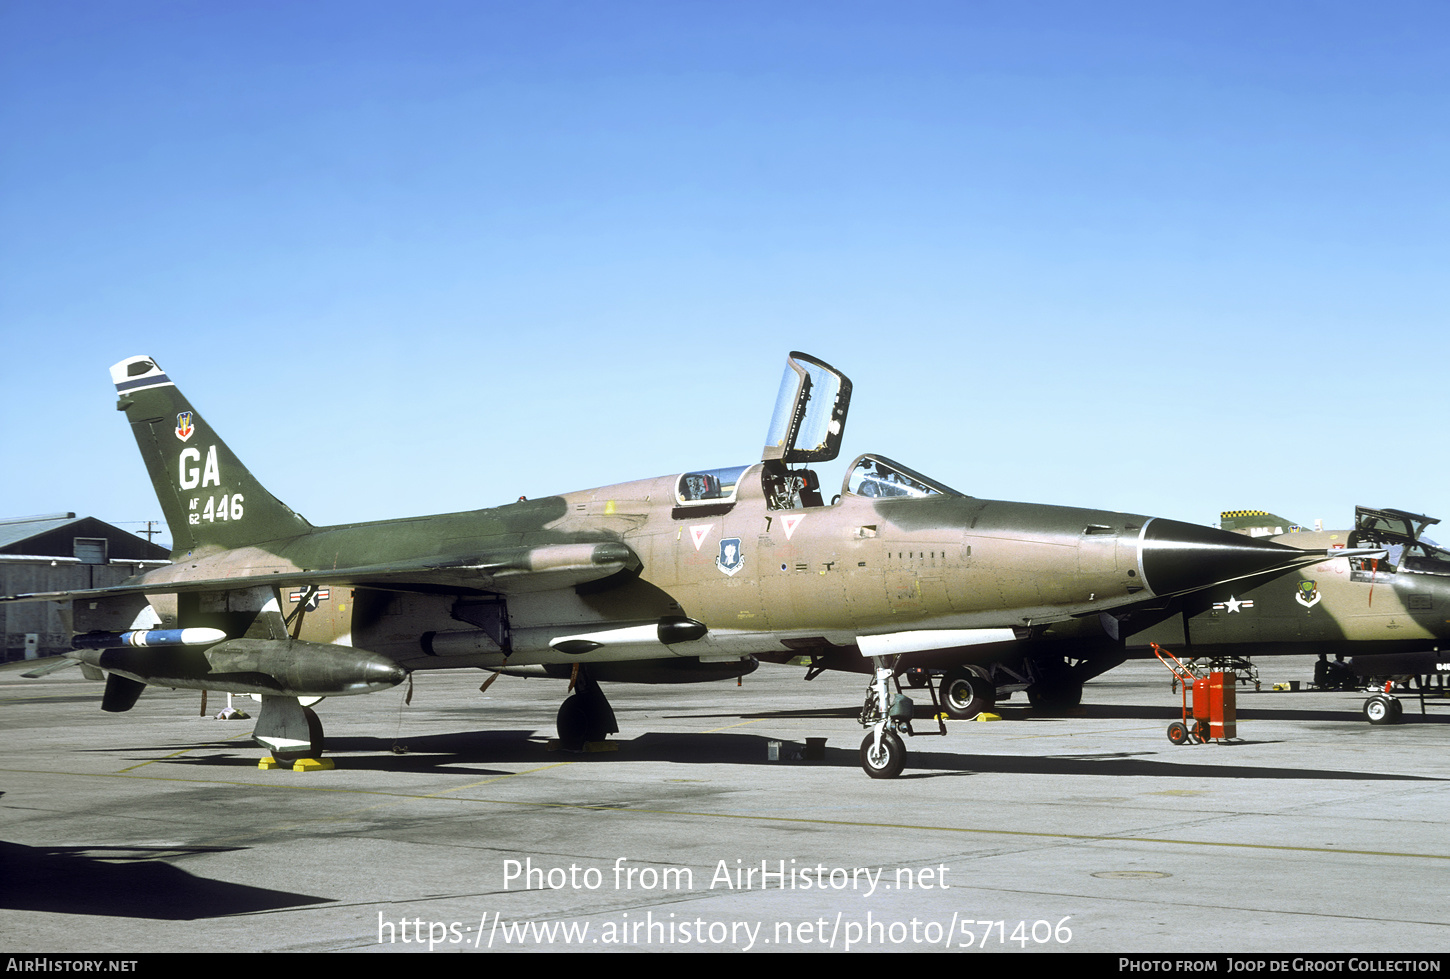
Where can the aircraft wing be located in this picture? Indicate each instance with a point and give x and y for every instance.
(507, 570)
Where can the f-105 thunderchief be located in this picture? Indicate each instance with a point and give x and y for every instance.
(679, 578)
(1380, 597)
(1386, 610)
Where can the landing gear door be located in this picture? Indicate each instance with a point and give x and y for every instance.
(810, 412)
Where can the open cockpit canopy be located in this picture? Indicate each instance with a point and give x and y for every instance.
(810, 412)
(1402, 535)
(1388, 526)
(806, 426)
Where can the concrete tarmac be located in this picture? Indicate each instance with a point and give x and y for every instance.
(449, 825)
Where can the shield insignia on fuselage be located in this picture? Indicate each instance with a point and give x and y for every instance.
(1308, 594)
(730, 560)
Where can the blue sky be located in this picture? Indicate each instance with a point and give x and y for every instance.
(1168, 258)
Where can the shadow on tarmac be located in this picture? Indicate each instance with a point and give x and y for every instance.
(127, 882)
(470, 754)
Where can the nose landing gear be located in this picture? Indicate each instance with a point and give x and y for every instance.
(887, 718)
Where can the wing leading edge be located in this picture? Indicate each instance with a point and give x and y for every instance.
(504, 571)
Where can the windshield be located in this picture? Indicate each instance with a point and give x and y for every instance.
(879, 477)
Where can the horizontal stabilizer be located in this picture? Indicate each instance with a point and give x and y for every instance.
(53, 664)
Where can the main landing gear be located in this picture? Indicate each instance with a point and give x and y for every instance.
(1383, 709)
(1055, 693)
(1052, 682)
(291, 732)
(966, 692)
(585, 715)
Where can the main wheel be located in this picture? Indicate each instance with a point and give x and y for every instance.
(1378, 710)
(965, 694)
(1200, 732)
(886, 761)
(315, 745)
(1178, 732)
(1059, 695)
(578, 724)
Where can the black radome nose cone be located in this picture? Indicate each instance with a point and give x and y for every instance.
(1182, 557)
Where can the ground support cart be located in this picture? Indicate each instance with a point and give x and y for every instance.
(1208, 702)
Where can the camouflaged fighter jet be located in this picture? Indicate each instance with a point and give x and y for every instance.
(679, 578)
(1381, 597)
(1387, 604)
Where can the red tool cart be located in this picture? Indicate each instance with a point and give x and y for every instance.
(1211, 702)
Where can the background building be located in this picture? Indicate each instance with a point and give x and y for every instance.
(55, 552)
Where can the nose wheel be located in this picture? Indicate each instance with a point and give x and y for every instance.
(883, 755)
(887, 719)
(1382, 709)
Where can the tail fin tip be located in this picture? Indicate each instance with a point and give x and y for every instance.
(136, 373)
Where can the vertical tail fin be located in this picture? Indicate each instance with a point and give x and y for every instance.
(208, 497)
